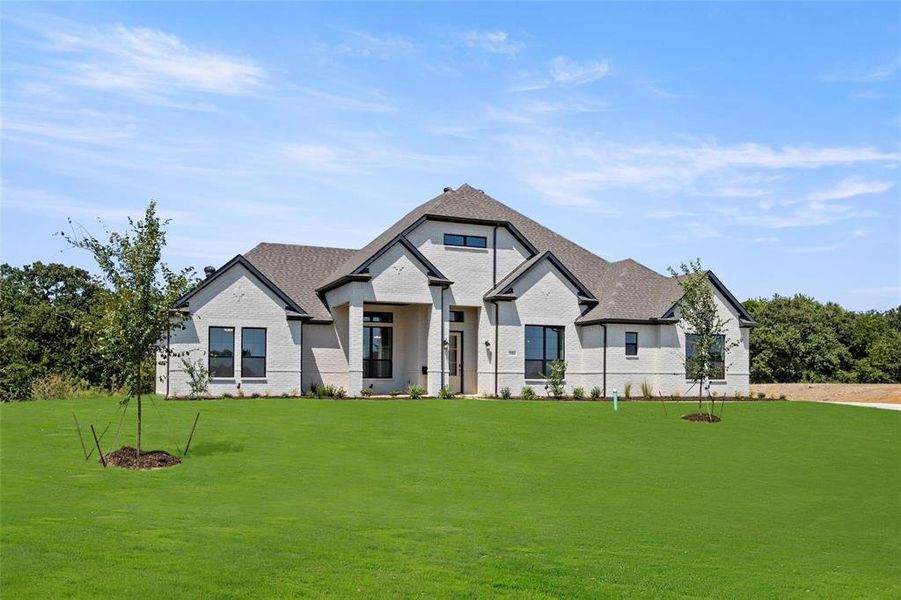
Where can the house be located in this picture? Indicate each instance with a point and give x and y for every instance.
(463, 292)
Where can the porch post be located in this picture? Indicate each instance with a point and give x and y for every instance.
(355, 343)
(436, 353)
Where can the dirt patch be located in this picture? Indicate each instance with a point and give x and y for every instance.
(702, 418)
(841, 392)
(127, 458)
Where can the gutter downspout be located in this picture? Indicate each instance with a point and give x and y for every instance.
(494, 257)
(605, 358)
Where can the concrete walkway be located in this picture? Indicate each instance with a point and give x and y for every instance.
(883, 405)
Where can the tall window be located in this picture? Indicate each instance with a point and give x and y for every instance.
(631, 343)
(718, 360)
(222, 352)
(253, 352)
(544, 345)
(377, 343)
(470, 241)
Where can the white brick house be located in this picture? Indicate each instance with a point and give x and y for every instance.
(463, 291)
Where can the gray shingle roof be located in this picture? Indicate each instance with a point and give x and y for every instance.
(626, 290)
(298, 271)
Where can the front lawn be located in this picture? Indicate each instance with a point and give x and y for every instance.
(456, 498)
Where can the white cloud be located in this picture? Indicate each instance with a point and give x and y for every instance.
(495, 42)
(859, 233)
(851, 187)
(566, 71)
(384, 47)
(868, 74)
(144, 62)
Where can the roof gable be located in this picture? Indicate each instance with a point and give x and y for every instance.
(240, 260)
(504, 290)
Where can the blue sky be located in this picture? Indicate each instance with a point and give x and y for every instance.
(762, 138)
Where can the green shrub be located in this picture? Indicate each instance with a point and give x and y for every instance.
(627, 390)
(365, 392)
(578, 393)
(782, 397)
(527, 393)
(198, 376)
(506, 393)
(255, 395)
(555, 385)
(227, 395)
(646, 391)
(676, 395)
(339, 392)
(737, 395)
(416, 392)
(444, 393)
(761, 395)
(595, 393)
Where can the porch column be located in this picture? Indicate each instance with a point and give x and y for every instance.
(355, 343)
(436, 352)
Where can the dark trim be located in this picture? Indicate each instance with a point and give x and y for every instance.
(378, 325)
(516, 233)
(462, 354)
(209, 355)
(265, 353)
(654, 321)
(240, 260)
(585, 296)
(433, 271)
(494, 257)
(744, 317)
(466, 238)
(451, 312)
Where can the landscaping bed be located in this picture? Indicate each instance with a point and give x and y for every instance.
(127, 457)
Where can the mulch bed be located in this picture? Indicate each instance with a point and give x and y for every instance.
(702, 417)
(127, 458)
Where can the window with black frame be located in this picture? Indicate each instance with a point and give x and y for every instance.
(544, 345)
(631, 343)
(718, 359)
(377, 346)
(222, 352)
(253, 352)
(467, 241)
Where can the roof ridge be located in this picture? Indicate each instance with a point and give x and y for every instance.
(304, 246)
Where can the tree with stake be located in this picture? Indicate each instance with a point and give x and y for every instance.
(699, 317)
(137, 311)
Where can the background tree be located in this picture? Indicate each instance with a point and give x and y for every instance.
(47, 315)
(698, 314)
(136, 314)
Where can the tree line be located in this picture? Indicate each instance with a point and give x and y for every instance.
(802, 340)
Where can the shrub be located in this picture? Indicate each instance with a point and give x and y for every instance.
(444, 393)
(578, 393)
(506, 393)
(198, 376)
(676, 395)
(55, 386)
(311, 393)
(646, 391)
(782, 397)
(527, 393)
(555, 385)
(595, 393)
(366, 392)
(227, 395)
(339, 392)
(737, 395)
(416, 392)
(255, 395)
(627, 390)
(761, 395)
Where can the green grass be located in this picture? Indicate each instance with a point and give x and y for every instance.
(456, 498)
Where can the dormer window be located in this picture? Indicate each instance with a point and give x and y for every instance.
(468, 241)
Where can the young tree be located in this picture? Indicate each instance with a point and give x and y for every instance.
(137, 312)
(699, 316)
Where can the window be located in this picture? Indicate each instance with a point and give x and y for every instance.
(717, 369)
(253, 352)
(631, 343)
(543, 346)
(222, 351)
(470, 241)
(377, 342)
(378, 317)
(455, 316)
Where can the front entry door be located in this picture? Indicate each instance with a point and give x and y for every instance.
(455, 362)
